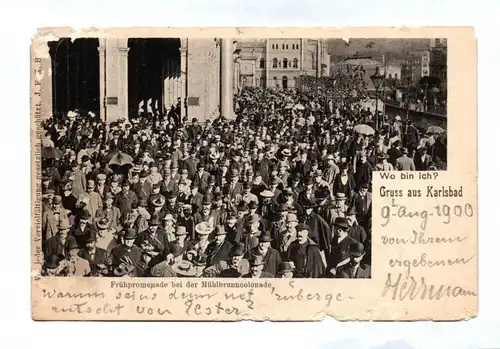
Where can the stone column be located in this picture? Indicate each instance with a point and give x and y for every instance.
(123, 78)
(46, 84)
(102, 77)
(226, 78)
(113, 61)
(236, 76)
(183, 50)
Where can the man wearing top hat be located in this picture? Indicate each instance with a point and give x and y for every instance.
(362, 204)
(234, 188)
(73, 265)
(219, 249)
(126, 199)
(305, 254)
(246, 195)
(355, 269)
(319, 231)
(331, 171)
(404, 162)
(51, 216)
(271, 257)
(204, 214)
(93, 254)
(341, 242)
(232, 267)
(90, 200)
(344, 181)
(356, 231)
(126, 250)
(278, 223)
(142, 188)
(110, 212)
(257, 268)
(58, 244)
(153, 240)
(82, 227)
(201, 177)
(195, 199)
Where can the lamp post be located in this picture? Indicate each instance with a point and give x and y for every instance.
(376, 79)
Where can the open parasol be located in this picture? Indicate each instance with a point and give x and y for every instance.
(121, 159)
(51, 153)
(364, 129)
(434, 130)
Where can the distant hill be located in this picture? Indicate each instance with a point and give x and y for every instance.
(395, 48)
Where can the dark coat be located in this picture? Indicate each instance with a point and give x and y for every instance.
(124, 202)
(347, 188)
(307, 259)
(55, 247)
(262, 275)
(272, 260)
(81, 236)
(120, 251)
(216, 254)
(339, 252)
(160, 242)
(100, 257)
(319, 231)
(346, 272)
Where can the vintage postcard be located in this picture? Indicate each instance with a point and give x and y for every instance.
(254, 173)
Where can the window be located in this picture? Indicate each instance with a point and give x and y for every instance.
(279, 64)
(295, 63)
(285, 63)
(262, 63)
(287, 46)
(285, 82)
(273, 46)
(275, 62)
(275, 82)
(283, 46)
(294, 82)
(262, 82)
(293, 46)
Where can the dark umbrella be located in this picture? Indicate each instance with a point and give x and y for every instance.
(51, 153)
(121, 163)
(121, 159)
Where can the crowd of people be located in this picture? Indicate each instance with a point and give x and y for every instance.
(283, 190)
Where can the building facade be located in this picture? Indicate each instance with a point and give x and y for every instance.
(438, 63)
(415, 66)
(278, 63)
(121, 77)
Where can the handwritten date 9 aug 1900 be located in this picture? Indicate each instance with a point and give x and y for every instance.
(444, 212)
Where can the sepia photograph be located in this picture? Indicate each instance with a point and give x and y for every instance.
(230, 158)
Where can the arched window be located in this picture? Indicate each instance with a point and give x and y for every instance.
(275, 82)
(287, 46)
(283, 46)
(295, 63)
(272, 46)
(295, 82)
(275, 62)
(262, 63)
(262, 81)
(285, 82)
(285, 63)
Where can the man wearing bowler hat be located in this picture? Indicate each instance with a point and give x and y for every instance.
(355, 269)
(257, 268)
(94, 255)
(153, 240)
(404, 162)
(356, 231)
(305, 254)
(341, 242)
(51, 216)
(127, 251)
(125, 199)
(271, 257)
(58, 244)
(233, 267)
(82, 227)
(110, 212)
(90, 200)
(219, 249)
(73, 265)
